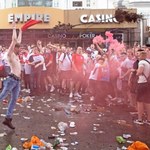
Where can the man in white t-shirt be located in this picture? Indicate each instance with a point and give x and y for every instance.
(92, 51)
(143, 95)
(126, 66)
(65, 68)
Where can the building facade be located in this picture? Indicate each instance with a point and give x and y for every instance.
(85, 24)
(142, 32)
(143, 7)
(61, 4)
(69, 8)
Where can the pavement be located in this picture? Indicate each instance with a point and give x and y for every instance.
(45, 116)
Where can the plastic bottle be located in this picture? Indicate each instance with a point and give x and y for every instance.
(9, 147)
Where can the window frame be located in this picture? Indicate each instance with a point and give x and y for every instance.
(77, 3)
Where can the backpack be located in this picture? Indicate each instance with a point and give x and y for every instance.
(147, 78)
(66, 54)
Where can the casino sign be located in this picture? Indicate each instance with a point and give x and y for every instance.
(98, 18)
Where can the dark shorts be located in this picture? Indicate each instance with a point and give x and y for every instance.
(143, 92)
(65, 74)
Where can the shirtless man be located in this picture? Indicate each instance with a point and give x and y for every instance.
(12, 82)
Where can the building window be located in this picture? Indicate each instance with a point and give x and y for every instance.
(14, 3)
(25, 2)
(37, 3)
(22, 3)
(47, 3)
(88, 3)
(77, 4)
(56, 3)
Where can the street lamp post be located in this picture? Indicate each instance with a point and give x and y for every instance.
(107, 4)
(141, 31)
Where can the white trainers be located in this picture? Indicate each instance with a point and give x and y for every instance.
(92, 98)
(71, 95)
(77, 95)
(139, 122)
(52, 88)
(147, 122)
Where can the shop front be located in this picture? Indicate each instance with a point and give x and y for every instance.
(85, 24)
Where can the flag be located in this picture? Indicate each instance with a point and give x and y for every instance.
(30, 23)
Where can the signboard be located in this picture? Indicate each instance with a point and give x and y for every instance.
(25, 17)
(98, 18)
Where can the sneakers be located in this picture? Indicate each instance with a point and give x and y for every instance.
(147, 122)
(109, 96)
(8, 123)
(52, 88)
(139, 122)
(92, 98)
(77, 95)
(71, 95)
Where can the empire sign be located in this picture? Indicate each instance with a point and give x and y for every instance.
(25, 17)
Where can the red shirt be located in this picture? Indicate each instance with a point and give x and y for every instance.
(78, 61)
(22, 56)
(48, 57)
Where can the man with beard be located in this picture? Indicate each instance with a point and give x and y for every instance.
(12, 82)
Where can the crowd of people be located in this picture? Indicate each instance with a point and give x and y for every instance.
(93, 70)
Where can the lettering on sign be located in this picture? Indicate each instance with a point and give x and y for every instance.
(86, 35)
(98, 18)
(61, 36)
(25, 17)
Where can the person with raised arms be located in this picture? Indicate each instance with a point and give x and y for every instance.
(12, 83)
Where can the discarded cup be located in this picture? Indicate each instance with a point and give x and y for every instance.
(62, 126)
(124, 148)
(14, 148)
(126, 136)
(72, 124)
(24, 139)
(3, 134)
(74, 143)
(64, 148)
(73, 133)
(64, 144)
(95, 128)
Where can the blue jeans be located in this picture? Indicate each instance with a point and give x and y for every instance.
(10, 85)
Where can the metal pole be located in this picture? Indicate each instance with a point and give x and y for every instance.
(141, 32)
(107, 4)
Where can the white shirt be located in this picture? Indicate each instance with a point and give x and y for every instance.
(27, 67)
(146, 71)
(65, 62)
(93, 74)
(127, 63)
(5, 59)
